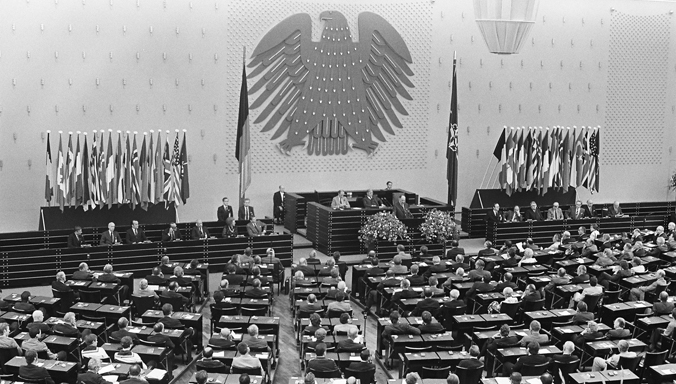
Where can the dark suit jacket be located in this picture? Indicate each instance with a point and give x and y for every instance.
(120, 333)
(134, 380)
(156, 280)
(512, 216)
(584, 278)
(44, 328)
(432, 328)
(91, 378)
(167, 237)
(36, 373)
(107, 239)
(480, 287)
(222, 343)
(405, 294)
(81, 275)
(564, 358)
(618, 334)
(660, 308)
(241, 215)
(612, 212)
(75, 241)
(235, 279)
(423, 305)
(348, 345)
(223, 213)
(582, 317)
(171, 323)
(277, 201)
(229, 232)
(361, 366)
(503, 285)
(375, 271)
(195, 233)
(451, 253)
(61, 287)
(435, 269)
(255, 230)
(530, 360)
(175, 295)
(572, 214)
(491, 217)
(108, 278)
(402, 212)
(503, 342)
(161, 340)
(322, 364)
(256, 293)
(66, 330)
(589, 212)
(140, 236)
(374, 202)
(24, 307)
(532, 215)
(470, 363)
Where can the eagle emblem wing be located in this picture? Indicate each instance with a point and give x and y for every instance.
(335, 93)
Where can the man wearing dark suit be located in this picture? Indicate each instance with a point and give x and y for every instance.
(576, 212)
(428, 326)
(428, 304)
(506, 283)
(256, 292)
(372, 201)
(533, 213)
(663, 306)
(455, 301)
(512, 261)
(401, 209)
(60, 283)
(134, 376)
(375, 270)
(75, 239)
(234, 279)
(246, 211)
(134, 234)
(173, 294)
(582, 316)
(455, 250)
(605, 279)
(363, 365)
(415, 279)
(459, 263)
(39, 324)
(171, 234)
(208, 363)
(533, 358)
(494, 216)
(69, 327)
(473, 361)
(405, 293)
(33, 372)
(618, 331)
(224, 211)
(589, 209)
(198, 232)
(514, 216)
(559, 279)
(321, 363)
(310, 305)
(397, 328)
(502, 339)
(350, 344)
(567, 355)
(108, 276)
(615, 210)
(481, 286)
(255, 228)
(161, 340)
(24, 306)
(168, 321)
(555, 213)
(122, 331)
(82, 273)
(110, 237)
(278, 205)
(92, 375)
(436, 267)
(223, 340)
(156, 278)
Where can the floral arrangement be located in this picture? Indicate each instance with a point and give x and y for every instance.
(382, 225)
(672, 182)
(438, 226)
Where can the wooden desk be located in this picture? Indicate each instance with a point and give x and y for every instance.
(60, 371)
(607, 377)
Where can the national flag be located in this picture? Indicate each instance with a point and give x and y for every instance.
(144, 168)
(185, 183)
(77, 186)
(530, 158)
(554, 152)
(103, 170)
(111, 183)
(124, 172)
(523, 157)
(49, 173)
(135, 166)
(84, 182)
(94, 177)
(175, 184)
(565, 159)
(243, 144)
(580, 148)
(452, 151)
(69, 172)
(60, 176)
(500, 146)
(159, 170)
(166, 177)
(537, 159)
(544, 171)
(507, 165)
(516, 167)
(594, 149)
(502, 157)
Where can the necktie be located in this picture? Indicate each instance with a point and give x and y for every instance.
(246, 213)
(135, 234)
(577, 212)
(111, 237)
(172, 235)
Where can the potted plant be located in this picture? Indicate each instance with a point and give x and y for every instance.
(438, 226)
(382, 226)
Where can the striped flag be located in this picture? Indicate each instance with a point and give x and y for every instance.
(243, 145)
(68, 172)
(144, 165)
(176, 166)
(84, 182)
(49, 173)
(594, 148)
(111, 183)
(134, 167)
(77, 179)
(60, 175)
(94, 167)
(159, 170)
(166, 176)
(185, 183)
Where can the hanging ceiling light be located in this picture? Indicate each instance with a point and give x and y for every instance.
(505, 24)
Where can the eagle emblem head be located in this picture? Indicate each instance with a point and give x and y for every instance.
(334, 94)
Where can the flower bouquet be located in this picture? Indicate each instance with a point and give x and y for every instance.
(438, 226)
(382, 226)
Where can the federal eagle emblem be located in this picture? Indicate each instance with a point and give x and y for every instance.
(334, 93)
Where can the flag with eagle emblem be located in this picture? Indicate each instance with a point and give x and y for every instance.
(452, 152)
(332, 94)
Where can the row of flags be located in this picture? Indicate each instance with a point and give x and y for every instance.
(537, 158)
(119, 172)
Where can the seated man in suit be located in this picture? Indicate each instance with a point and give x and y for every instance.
(534, 334)
(108, 276)
(198, 232)
(172, 292)
(371, 201)
(234, 279)
(365, 364)
(312, 258)
(473, 361)
(126, 355)
(590, 333)
(345, 325)
(122, 331)
(219, 300)
(567, 355)
(401, 209)
(134, 376)
(143, 290)
(618, 331)
(60, 284)
(75, 239)
(171, 234)
(398, 266)
(7, 342)
(255, 227)
(69, 326)
(428, 304)
(256, 292)
(459, 263)
(92, 375)
(576, 212)
(397, 328)
(82, 273)
(582, 275)
(428, 326)
(501, 339)
(135, 235)
(506, 282)
(31, 371)
(494, 216)
(454, 250)
(352, 343)
(514, 216)
(481, 285)
(414, 278)
(254, 341)
(663, 306)
(605, 279)
(224, 211)
(533, 358)
(92, 350)
(533, 213)
(110, 237)
(433, 286)
(23, 305)
(340, 305)
(479, 272)
(34, 344)
(160, 339)
(406, 293)
(207, 361)
(455, 301)
(582, 316)
(436, 267)
(156, 278)
(321, 363)
(589, 209)
(340, 201)
(223, 340)
(555, 213)
(559, 279)
(615, 210)
(246, 211)
(309, 306)
(613, 362)
(167, 320)
(38, 322)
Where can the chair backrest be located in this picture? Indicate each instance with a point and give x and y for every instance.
(90, 295)
(630, 362)
(652, 359)
(6, 354)
(417, 349)
(529, 306)
(611, 297)
(469, 375)
(246, 311)
(435, 373)
(142, 303)
(327, 374)
(210, 369)
(176, 302)
(364, 377)
(250, 371)
(561, 369)
(534, 370)
(67, 298)
(592, 301)
(33, 381)
(510, 309)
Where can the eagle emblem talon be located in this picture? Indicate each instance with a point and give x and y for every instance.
(331, 92)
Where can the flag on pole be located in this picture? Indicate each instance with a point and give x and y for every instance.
(185, 183)
(565, 159)
(243, 145)
(166, 177)
(500, 146)
(531, 151)
(507, 164)
(594, 148)
(77, 179)
(175, 184)
(144, 166)
(49, 173)
(69, 172)
(159, 170)
(544, 172)
(135, 167)
(452, 147)
(84, 179)
(61, 176)
(111, 182)
(94, 167)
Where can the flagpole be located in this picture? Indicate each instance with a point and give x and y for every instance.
(491, 181)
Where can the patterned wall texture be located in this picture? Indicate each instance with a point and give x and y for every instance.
(637, 88)
(247, 28)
